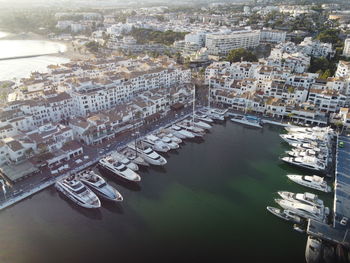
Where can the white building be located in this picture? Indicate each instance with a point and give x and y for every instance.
(272, 36)
(346, 51)
(222, 44)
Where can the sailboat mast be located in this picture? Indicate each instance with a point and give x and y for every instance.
(194, 102)
(209, 94)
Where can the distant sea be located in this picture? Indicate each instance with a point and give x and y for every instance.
(16, 68)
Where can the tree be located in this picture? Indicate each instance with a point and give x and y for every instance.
(239, 54)
(326, 74)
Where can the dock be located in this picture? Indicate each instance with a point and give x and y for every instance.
(275, 123)
(338, 232)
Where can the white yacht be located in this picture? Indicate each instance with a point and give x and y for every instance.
(124, 160)
(306, 198)
(188, 126)
(201, 124)
(284, 214)
(247, 120)
(302, 210)
(133, 157)
(148, 154)
(78, 192)
(168, 140)
(119, 169)
(300, 152)
(212, 115)
(290, 138)
(99, 186)
(313, 251)
(156, 144)
(314, 182)
(310, 163)
(181, 133)
(168, 134)
(203, 117)
(310, 146)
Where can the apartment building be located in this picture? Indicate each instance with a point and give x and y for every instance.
(222, 44)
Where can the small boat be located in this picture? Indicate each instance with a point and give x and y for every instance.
(203, 117)
(119, 169)
(313, 251)
(99, 186)
(187, 125)
(169, 135)
(76, 191)
(298, 228)
(168, 140)
(156, 144)
(285, 214)
(314, 182)
(133, 157)
(251, 121)
(148, 154)
(181, 133)
(124, 160)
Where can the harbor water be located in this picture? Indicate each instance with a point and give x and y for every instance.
(208, 204)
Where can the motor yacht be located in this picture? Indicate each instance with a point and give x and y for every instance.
(181, 133)
(284, 214)
(76, 191)
(156, 144)
(302, 210)
(148, 154)
(310, 163)
(251, 121)
(306, 198)
(203, 117)
(119, 169)
(169, 135)
(314, 182)
(133, 157)
(99, 186)
(124, 160)
(188, 126)
(168, 140)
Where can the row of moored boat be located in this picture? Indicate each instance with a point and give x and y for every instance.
(87, 187)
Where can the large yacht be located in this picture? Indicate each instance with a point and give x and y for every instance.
(290, 138)
(302, 210)
(306, 198)
(311, 163)
(251, 121)
(133, 157)
(317, 147)
(284, 214)
(99, 186)
(124, 160)
(156, 144)
(212, 115)
(300, 152)
(148, 154)
(119, 169)
(181, 133)
(78, 192)
(314, 182)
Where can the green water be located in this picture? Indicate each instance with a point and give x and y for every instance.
(208, 204)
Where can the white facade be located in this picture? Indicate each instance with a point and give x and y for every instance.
(222, 44)
(346, 51)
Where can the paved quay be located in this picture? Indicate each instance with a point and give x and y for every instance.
(338, 232)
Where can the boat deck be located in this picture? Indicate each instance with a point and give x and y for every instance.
(338, 233)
